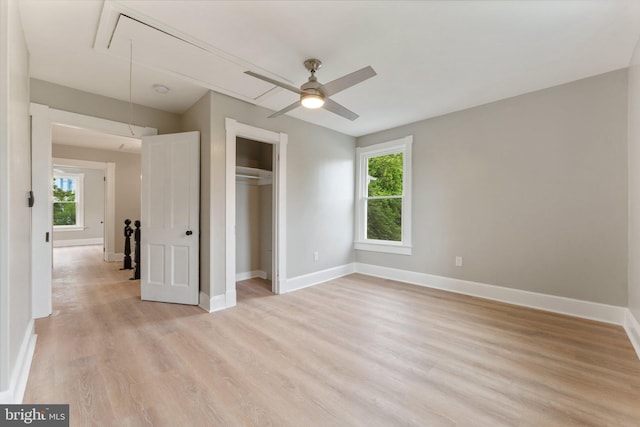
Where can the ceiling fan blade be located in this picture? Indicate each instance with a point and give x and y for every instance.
(272, 81)
(285, 109)
(347, 81)
(338, 109)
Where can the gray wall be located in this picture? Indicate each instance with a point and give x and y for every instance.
(248, 234)
(634, 184)
(266, 229)
(15, 171)
(127, 186)
(320, 179)
(76, 101)
(93, 205)
(531, 191)
(198, 117)
(254, 227)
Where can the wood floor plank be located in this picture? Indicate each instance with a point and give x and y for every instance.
(357, 351)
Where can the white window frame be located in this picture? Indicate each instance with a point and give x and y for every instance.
(79, 225)
(363, 154)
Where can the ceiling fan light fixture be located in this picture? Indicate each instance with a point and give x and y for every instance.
(312, 101)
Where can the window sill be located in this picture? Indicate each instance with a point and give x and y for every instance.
(381, 247)
(68, 228)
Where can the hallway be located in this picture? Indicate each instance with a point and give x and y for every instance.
(96, 350)
(103, 349)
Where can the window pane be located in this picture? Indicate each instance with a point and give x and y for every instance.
(385, 175)
(64, 190)
(64, 213)
(384, 219)
(64, 200)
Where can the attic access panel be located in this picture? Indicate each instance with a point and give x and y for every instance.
(158, 49)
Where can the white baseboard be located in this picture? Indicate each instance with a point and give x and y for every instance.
(251, 275)
(20, 374)
(78, 242)
(205, 302)
(230, 299)
(632, 327)
(573, 307)
(111, 257)
(316, 277)
(217, 302)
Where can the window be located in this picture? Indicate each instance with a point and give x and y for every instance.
(383, 211)
(67, 202)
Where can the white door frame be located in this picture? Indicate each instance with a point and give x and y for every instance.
(109, 169)
(43, 118)
(279, 141)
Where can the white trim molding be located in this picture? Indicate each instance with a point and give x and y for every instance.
(317, 277)
(20, 374)
(41, 212)
(362, 242)
(234, 129)
(43, 118)
(632, 327)
(572, 307)
(67, 118)
(77, 242)
(217, 302)
(205, 302)
(383, 247)
(230, 299)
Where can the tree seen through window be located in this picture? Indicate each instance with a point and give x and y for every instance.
(384, 197)
(64, 201)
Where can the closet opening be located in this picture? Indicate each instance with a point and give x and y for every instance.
(255, 213)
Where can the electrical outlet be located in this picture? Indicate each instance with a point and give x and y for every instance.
(458, 261)
(316, 256)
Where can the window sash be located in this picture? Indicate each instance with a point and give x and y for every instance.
(78, 183)
(364, 154)
(382, 197)
(384, 154)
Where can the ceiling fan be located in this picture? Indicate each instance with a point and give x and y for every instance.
(314, 94)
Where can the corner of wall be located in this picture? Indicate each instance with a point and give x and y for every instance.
(632, 327)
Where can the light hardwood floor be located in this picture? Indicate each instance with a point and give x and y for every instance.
(357, 351)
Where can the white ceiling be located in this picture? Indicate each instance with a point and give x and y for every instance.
(432, 58)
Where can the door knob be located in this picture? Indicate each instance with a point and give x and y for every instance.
(189, 232)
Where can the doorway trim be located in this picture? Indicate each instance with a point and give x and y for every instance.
(235, 129)
(43, 118)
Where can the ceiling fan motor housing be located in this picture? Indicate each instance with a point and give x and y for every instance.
(312, 87)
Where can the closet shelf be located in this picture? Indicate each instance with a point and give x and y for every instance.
(263, 177)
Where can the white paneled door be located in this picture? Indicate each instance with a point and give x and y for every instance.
(170, 218)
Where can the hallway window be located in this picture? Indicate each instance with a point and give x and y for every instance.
(67, 202)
